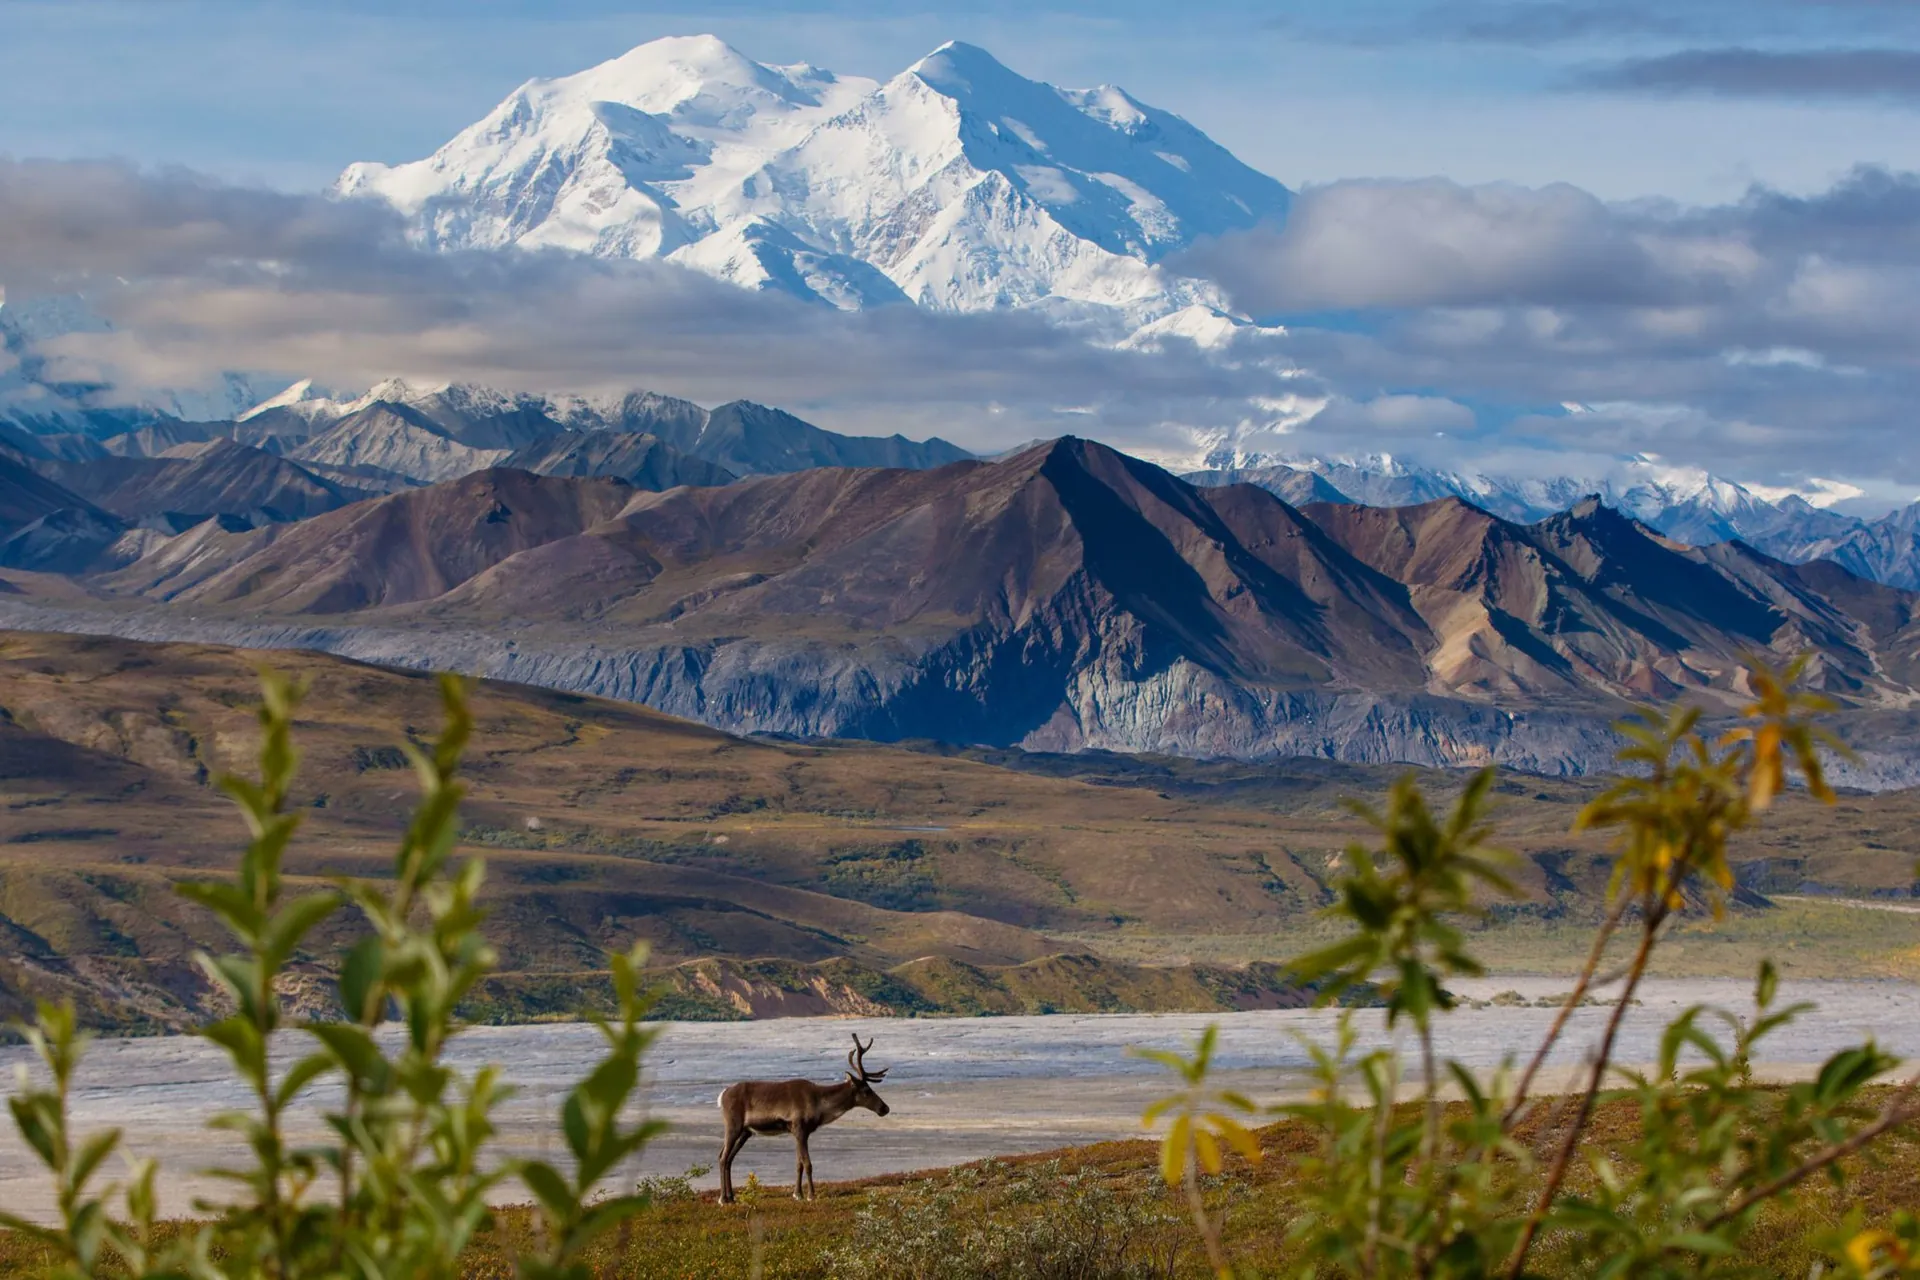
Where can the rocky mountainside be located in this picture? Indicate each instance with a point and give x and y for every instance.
(1063, 598)
(1887, 549)
(1296, 485)
(1590, 596)
(397, 438)
(1688, 505)
(442, 432)
(956, 184)
(46, 526)
(643, 460)
(217, 477)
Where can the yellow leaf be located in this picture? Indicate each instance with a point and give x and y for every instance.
(1239, 1138)
(1209, 1148)
(1173, 1152)
(1862, 1248)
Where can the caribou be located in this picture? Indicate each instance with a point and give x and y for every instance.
(797, 1107)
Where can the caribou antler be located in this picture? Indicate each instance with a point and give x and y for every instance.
(857, 1059)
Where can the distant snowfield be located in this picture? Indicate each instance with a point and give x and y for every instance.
(960, 1089)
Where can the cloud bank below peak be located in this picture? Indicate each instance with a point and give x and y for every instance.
(1779, 333)
(1772, 339)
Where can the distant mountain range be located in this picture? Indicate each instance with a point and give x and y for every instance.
(1687, 505)
(396, 435)
(752, 570)
(1063, 598)
(75, 502)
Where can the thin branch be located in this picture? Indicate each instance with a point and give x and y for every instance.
(1899, 1110)
(1430, 1136)
(1564, 1157)
(1572, 1002)
(1197, 1205)
(1377, 1166)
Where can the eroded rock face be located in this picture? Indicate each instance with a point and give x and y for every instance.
(890, 693)
(1065, 598)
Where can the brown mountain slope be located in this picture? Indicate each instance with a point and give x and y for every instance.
(402, 548)
(1065, 597)
(1591, 601)
(644, 461)
(222, 478)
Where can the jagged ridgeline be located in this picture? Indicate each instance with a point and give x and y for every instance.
(1067, 597)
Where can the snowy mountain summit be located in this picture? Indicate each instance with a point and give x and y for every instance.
(957, 185)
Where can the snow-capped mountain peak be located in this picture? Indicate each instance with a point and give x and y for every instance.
(303, 399)
(957, 184)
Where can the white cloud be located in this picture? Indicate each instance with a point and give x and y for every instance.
(1774, 340)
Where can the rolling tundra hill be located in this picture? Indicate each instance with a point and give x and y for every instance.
(770, 877)
(822, 875)
(1067, 597)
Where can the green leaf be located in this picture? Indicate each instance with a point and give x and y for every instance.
(549, 1188)
(91, 1153)
(293, 922)
(225, 901)
(351, 1046)
(37, 1117)
(300, 1075)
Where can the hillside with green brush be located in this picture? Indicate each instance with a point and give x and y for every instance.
(776, 877)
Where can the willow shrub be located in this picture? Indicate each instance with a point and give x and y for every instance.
(1449, 1189)
(401, 1184)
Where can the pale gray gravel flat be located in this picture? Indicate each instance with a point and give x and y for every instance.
(960, 1089)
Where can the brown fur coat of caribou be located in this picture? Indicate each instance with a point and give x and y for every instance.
(797, 1107)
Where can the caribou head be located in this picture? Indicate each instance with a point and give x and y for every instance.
(863, 1080)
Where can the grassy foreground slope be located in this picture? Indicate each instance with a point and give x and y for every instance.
(789, 878)
(770, 877)
(1041, 1214)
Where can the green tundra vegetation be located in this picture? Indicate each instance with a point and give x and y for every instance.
(1396, 1166)
(777, 877)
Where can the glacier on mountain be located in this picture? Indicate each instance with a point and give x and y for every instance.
(957, 184)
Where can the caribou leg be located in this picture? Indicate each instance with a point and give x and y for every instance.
(799, 1163)
(729, 1148)
(806, 1162)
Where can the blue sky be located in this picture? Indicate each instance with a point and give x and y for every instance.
(286, 93)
